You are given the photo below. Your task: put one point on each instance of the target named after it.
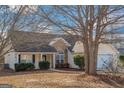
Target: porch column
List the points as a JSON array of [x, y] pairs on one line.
[[50, 60], [54, 62], [37, 59]]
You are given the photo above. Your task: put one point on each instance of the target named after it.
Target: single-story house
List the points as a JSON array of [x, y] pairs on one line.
[[34, 47]]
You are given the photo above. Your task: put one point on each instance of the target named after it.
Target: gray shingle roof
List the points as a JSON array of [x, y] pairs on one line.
[[37, 42]]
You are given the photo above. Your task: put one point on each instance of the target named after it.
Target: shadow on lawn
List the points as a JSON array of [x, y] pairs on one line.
[[13, 73], [115, 81], [101, 80]]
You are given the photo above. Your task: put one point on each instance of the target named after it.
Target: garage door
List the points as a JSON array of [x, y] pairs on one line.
[[103, 60]]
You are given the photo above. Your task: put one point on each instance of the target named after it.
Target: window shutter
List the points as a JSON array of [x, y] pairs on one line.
[[33, 58], [19, 58]]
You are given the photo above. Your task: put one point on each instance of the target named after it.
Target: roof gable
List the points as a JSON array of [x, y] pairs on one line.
[[103, 48], [59, 40]]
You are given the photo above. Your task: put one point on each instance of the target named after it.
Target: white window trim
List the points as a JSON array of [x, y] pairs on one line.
[[60, 56], [26, 57]]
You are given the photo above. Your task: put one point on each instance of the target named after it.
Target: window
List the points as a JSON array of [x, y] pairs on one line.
[[26, 58], [60, 57], [44, 57]]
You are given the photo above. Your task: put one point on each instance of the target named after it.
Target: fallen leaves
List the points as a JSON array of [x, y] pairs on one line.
[[56, 79]]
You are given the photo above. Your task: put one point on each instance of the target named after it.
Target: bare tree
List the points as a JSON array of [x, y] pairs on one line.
[[88, 22], [18, 18], [8, 19], [30, 21]]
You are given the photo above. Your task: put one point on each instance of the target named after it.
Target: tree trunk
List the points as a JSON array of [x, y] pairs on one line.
[[65, 56], [86, 59], [92, 64], [90, 54]]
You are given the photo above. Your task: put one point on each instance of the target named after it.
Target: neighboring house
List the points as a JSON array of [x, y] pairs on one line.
[[116, 39], [34, 47], [106, 54], [121, 51]]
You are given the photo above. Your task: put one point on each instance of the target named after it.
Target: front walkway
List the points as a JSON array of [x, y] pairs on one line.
[[67, 70]]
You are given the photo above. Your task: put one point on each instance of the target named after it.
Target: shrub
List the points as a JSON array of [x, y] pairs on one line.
[[24, 66], [121, 57], [62, 65], [44, 65], [58, 65], [121, 63], [79, 61], [65, 65]]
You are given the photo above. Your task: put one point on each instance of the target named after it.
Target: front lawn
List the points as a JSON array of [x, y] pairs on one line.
[[56, 79]]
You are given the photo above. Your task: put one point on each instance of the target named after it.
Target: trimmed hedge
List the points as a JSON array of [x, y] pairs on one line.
[[24, 66], [79, 61], [121, 57], [121, 63], [62, 65], [44, 65], [65, 65]]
